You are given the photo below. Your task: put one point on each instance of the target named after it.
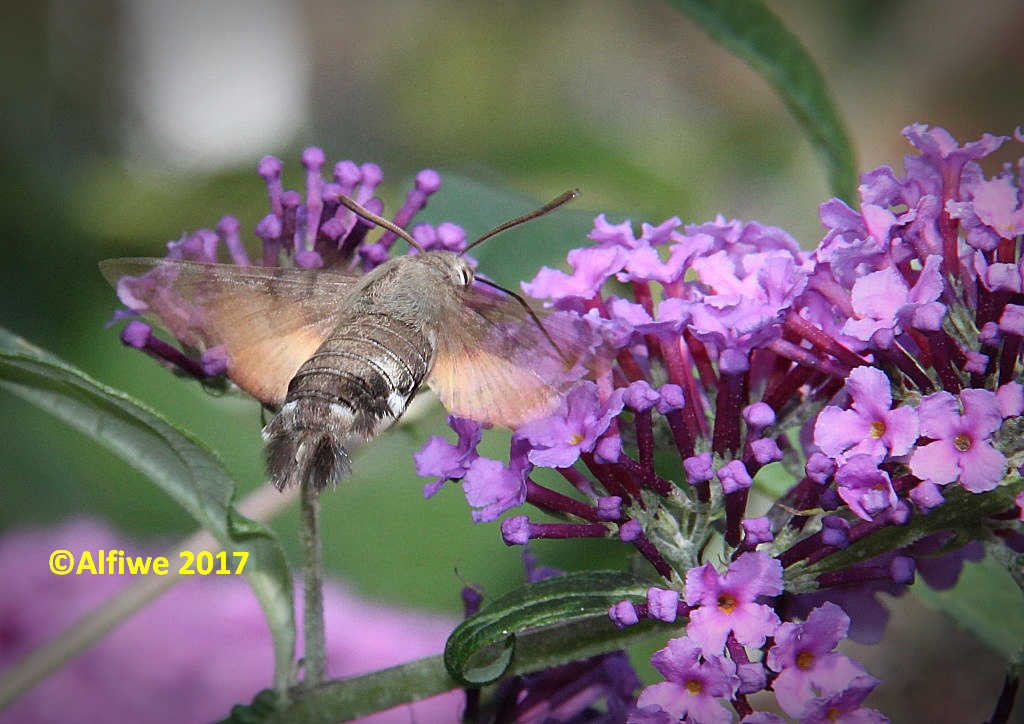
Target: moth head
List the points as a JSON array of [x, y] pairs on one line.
[[446, 267], [460, 271]]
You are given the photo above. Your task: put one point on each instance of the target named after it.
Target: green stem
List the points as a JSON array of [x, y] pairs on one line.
[[315, 658]]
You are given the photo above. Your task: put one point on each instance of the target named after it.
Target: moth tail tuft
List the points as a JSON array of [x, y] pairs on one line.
[[297, 456]]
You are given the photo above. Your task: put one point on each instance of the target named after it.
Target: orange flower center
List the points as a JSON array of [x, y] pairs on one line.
[[804, 660], [962, 442], [877, 429], [694, 687], [726, 602]]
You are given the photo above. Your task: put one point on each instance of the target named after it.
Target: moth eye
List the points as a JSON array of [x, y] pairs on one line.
[[463, 276]]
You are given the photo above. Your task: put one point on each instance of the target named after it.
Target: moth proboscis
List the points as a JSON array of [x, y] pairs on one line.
[[338, 355]]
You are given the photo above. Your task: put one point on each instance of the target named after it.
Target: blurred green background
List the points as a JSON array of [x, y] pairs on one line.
[[124, 124]]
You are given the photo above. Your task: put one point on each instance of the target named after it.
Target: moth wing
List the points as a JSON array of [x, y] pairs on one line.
[[496, 364], [268, 320]]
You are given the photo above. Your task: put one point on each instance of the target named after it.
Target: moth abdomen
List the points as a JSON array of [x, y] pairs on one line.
[[357, 383], [349, 388], [305, 454]]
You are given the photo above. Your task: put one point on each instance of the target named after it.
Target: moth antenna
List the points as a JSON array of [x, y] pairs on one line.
[[559, 200], [529, 310], [380, 221]]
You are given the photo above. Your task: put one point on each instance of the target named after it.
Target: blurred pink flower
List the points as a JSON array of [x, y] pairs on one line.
[[191, 654]]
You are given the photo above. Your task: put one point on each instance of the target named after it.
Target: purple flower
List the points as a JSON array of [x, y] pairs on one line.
[[640, 396], [864, 487], [607, 234], [884, 304], [941, 155], [961, 446], [844, 707], [663, 604], [886, 267], [211, 363], [940, 567], [757, 531], [927, 495], [645, 264], [569, 693], [574, 428], [870, 426], [698, 468], [835, 531], [1011, 399], [805, 659], [723, 339], [992, 212], [1011, 321], [309, 229], [734, 477], [727, 603], [745, 300], [868, 615], [759, 415], [449, 462], [765, 450], [854, 243], [591, 268], [623, 614], [694, 683], [491, 487]]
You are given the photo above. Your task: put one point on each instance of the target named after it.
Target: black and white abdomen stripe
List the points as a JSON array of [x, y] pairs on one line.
[[357, 383], [369, 368]]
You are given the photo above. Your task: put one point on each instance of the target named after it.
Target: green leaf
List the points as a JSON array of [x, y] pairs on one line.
[[179, 464], [963, 512], [986, 602], [542, 624], [751, 31]]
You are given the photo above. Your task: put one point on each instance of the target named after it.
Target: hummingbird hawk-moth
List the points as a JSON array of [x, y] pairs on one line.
[[338, 356]]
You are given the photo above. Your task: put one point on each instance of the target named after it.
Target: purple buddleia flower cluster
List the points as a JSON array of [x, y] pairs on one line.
[[881, 370], [305, 229]]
